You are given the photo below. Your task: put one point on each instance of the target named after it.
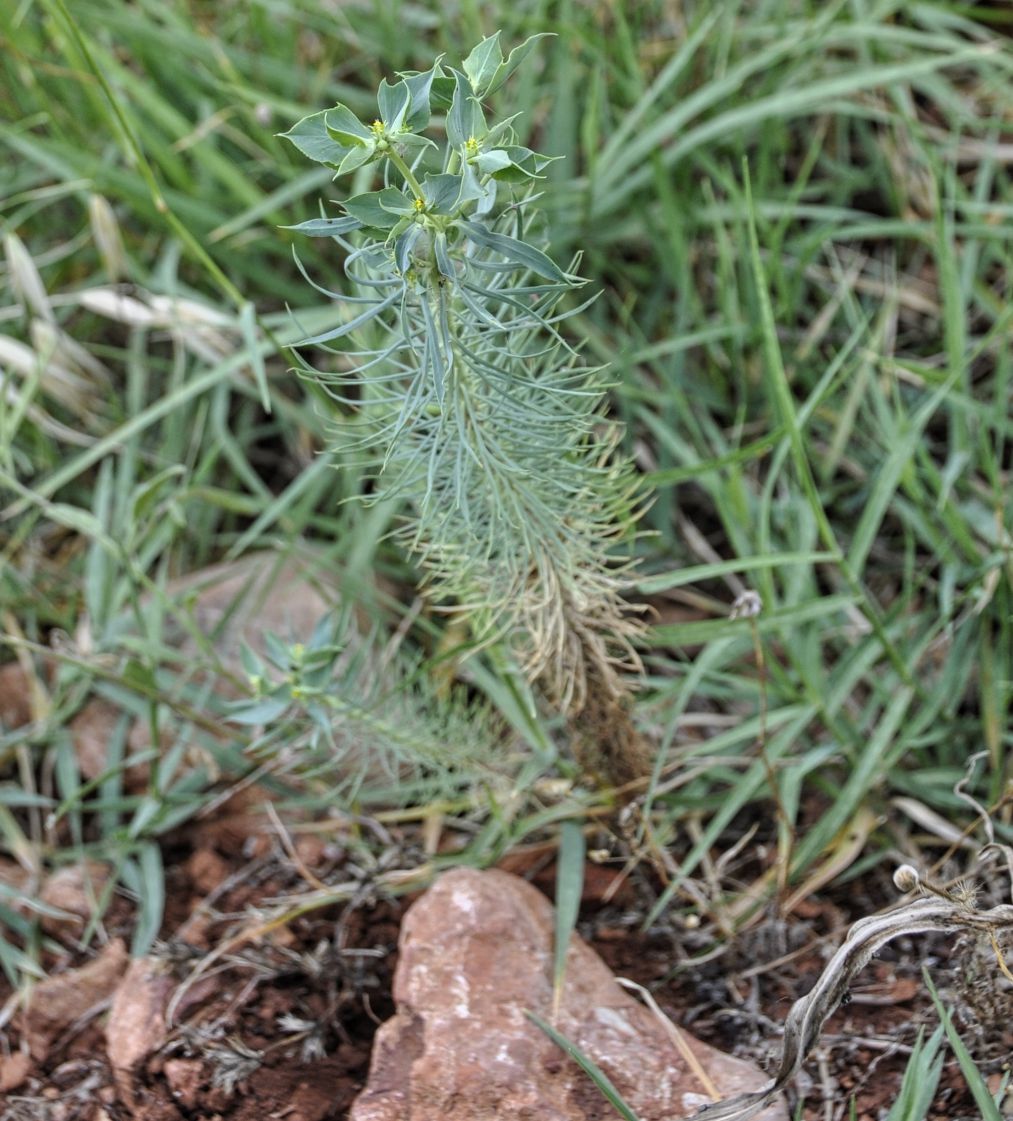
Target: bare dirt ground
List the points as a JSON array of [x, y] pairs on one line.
[[280, 1024]]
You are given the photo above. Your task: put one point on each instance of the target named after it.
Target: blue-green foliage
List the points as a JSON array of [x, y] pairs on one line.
[[480, 413], [355, 721]]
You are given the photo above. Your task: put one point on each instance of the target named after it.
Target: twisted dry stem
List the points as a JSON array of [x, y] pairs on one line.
[[950, 913]]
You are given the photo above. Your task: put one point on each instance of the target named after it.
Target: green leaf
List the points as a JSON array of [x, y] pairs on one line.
[[465, 121], [651, 585], [442, 256], [588, 1066], [252, 665], [311, 137], [409, 142], [81, 521], [442, 192], [921, 1077], [518, 252], [356, 158], [514, 59], [397, 202], [326, 227], [474, 191], [248, 326], [393, 102], [11, 795], [491, 162], [403, 247], [147, 496], [419, 89], [434, 353], [484, 63], [146, 879], [569, 888], [262, 712], [402, 225], [345, 127], [441, 93], [972, 1075], [371, 312], [502, 129], [524, 164], [369, 210], [137, 675]]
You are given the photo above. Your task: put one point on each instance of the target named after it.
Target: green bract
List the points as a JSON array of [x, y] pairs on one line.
[[479, 411]]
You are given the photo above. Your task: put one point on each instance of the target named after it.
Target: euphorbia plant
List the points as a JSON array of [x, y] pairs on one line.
[[480, 413]]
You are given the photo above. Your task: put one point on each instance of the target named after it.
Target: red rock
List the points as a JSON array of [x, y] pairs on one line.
[[185, 1078], [475, 955], [14, 1069], [91, 729], [136, 1024], [262, 593], [61, 1000], [73, 891]]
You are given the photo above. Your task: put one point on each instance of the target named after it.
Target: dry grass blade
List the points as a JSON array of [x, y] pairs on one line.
[[676, 1036], [944, 911]]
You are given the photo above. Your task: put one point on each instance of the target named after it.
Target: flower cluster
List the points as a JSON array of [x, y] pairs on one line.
[[425, 216]]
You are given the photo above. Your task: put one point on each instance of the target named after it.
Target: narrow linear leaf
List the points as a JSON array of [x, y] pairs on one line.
[[326, 227], [248, 326], [569, 888], [146, 879], [517, 252], [345, 328], [974, 1078], [699, 572], [588, 1066]]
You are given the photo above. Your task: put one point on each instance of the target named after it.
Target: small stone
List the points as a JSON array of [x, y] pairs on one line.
[[14, 1070], [136, 1027], [475, 956], [136, 1024], [242, 601], [92, 730], [61, 1000], [185, 1078], [206, 870], [13, 876], [73, 892]]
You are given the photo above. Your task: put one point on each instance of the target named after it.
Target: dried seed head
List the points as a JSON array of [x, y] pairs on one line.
[[113, 304], [965, 893], [747, 605], [906, 878], [25, 278], [106, 232]]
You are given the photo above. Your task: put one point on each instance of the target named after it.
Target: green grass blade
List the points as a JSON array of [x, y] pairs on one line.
[[590, 1068], [569, 887], [972, 1075]]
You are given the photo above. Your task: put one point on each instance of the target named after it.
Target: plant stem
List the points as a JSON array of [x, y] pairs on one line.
[[409, 176]]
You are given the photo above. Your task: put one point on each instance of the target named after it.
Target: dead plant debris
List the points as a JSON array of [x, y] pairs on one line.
[[281, 1024]]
